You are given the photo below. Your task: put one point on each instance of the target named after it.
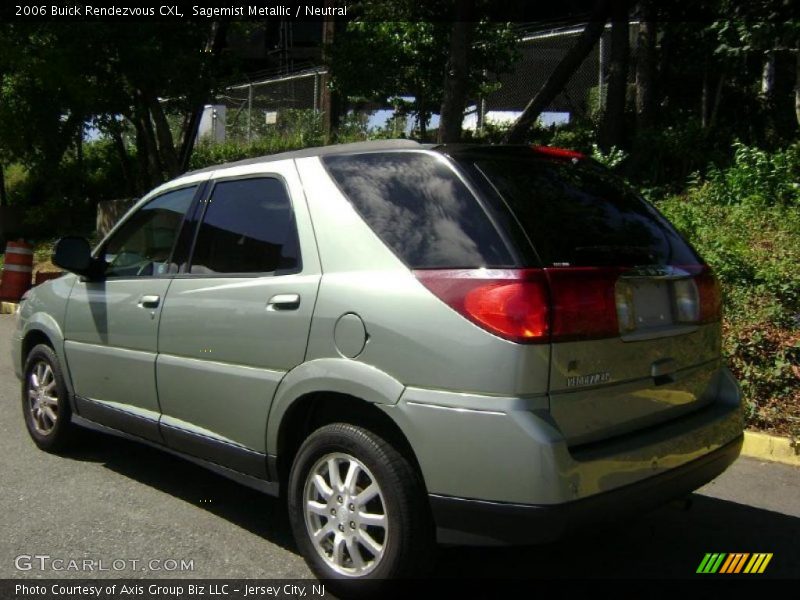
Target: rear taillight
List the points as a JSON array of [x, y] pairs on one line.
[[710, 296], [697, 298], [563, 304], [531, 305], [511, 303], [584, 304]]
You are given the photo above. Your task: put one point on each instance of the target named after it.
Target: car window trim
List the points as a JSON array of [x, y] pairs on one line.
[[185, 271]]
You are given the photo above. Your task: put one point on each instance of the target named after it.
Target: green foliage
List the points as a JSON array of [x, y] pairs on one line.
[[611, 159], [668, 154], [401, 49], [744, 221], [757, 177], [295, 129]]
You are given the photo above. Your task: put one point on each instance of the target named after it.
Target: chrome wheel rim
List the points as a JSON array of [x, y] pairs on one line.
[[345, 514], [42, 398]]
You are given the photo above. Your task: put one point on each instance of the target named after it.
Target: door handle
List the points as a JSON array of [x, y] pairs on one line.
[[284, 302], [149, 301]]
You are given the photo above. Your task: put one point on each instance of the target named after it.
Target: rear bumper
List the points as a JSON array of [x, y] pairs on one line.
[[500, 469], [465, 521]]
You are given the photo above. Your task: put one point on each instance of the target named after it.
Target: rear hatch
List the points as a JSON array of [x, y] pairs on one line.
[[634, 313]]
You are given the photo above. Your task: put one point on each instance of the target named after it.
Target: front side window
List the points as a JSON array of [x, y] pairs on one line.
[[248, 227], [143, 245]]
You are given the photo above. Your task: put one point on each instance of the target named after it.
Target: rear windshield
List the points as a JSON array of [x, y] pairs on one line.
[[577, 213], [419, 207]]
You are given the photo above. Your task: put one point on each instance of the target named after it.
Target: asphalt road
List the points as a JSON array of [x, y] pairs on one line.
[[115, 499]]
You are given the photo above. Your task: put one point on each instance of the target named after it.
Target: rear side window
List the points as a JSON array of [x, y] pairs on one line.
[[420, 209], [248, 227], [577, 213]]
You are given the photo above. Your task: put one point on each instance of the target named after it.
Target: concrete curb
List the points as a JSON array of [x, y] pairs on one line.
[[8, 308], [771, 447]]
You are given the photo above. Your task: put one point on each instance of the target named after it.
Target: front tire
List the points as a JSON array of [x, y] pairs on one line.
[[45, 401], [358, 510]]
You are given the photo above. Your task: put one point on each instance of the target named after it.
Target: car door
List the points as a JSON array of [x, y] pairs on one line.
[[111, 325], [238, 317]]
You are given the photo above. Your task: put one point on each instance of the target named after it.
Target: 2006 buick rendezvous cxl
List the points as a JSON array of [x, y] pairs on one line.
[[475, 344]]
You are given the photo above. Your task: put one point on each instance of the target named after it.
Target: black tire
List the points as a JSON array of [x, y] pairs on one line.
[[61, 434], [409, 541]]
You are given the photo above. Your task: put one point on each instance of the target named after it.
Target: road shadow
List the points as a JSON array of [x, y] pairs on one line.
[[251, 510], [667, 543]]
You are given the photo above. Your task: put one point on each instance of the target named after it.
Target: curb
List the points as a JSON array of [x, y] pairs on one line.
[[771, 447], [8, 308]]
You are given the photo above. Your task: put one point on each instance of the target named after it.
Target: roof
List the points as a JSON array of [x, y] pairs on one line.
[[321, 151]]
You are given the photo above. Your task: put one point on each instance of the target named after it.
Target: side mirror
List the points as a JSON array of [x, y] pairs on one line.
[[74, 254]]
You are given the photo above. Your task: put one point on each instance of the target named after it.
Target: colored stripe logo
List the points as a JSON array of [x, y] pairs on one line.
[[737, 562]]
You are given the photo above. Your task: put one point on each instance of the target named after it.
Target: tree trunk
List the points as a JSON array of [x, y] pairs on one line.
[[328, 104], [645, 67], [422, 121], [166, 146], [214, 46], [124, 160], [768, 76], [560, 76], [3, 195], [146, 150], [705, 95], [797, 85], [612, 123], [712, 118], [456, 75], [145, 183]]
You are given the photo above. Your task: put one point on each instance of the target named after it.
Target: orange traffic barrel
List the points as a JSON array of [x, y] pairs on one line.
[[17, 271]]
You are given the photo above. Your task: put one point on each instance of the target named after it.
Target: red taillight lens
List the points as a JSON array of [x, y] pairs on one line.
[[511, 303], [515, 310], [710, 296], [583, 302]]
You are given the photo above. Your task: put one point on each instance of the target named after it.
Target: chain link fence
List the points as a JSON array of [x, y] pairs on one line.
[[247, 112]]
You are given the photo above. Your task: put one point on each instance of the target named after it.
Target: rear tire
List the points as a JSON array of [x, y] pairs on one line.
[[45, 401], [358, 510]]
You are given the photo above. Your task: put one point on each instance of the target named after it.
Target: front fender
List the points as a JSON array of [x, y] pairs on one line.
[[44, 311], [337, 375], [44, 323]]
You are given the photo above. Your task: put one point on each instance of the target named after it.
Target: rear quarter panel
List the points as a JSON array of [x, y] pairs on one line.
[[412, 335]]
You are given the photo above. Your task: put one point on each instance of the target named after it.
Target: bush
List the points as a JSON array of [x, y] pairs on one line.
[[757, 177], [744, 221]]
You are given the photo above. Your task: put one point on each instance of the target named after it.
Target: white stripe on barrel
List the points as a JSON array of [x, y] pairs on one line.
[[17, 250], [18, 268]]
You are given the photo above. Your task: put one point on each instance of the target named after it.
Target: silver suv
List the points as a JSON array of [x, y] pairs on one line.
[[472, 344]]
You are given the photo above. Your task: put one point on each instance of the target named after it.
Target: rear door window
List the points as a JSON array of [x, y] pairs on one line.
[[420, 208], [248, 228]]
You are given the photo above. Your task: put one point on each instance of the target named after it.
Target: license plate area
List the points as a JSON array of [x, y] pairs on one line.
[[649, 307], [652, 304]]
